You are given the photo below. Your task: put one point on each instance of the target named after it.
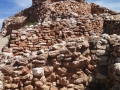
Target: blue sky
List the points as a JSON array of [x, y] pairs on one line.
[[10, 7]]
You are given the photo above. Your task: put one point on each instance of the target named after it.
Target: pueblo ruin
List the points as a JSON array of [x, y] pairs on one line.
[[61, 45]]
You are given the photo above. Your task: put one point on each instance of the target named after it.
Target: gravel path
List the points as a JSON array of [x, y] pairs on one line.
[[3, 42]]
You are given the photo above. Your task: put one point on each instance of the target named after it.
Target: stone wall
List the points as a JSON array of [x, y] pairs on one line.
[[112, 27], [74, 64], [64, 9], [97, 9], [34, 2], [61, 47], [35, 37]]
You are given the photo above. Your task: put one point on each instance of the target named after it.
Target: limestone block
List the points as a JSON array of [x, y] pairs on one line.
[[53, 53], [7, 86], [92, 78], [106, 36], [29, 87], [7, 69], [38, 83], [102, 52], [37, 46], [52, 77], [85, 44], [1, 85], [13, 45], [38, 71], [41, 62], [101, 47], [56, 47], [103, 41], [41, 51], [48, 70], [43, 79], [63, 81], [16, 79], [53, 88], [23, 37], [44, 87], [117, 67], [64, 88], [79, 81], [64, 50], [70, 85], [69, 44], [56, 64], [75, 64], [42, 56], [61, 71], [60, 57], [15, 31], [79, 87]]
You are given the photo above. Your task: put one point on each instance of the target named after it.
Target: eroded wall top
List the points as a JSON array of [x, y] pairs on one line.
[[50, 1]]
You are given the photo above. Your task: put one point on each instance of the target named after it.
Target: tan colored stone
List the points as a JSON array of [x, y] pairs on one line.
[[45, 87], [23, 37], [7, 86], [29, 87], [14, 86], [38, 83], [53, 88]]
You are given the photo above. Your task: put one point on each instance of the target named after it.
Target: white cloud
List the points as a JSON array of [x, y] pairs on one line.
[[23, 3], [18, 5]]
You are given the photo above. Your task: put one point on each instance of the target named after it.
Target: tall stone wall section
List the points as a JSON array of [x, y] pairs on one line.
[[37, 13]]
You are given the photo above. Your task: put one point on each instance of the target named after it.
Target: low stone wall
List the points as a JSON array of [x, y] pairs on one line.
[[74, 64]]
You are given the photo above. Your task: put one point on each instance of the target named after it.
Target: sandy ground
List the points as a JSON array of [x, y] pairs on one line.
[[3, 42]]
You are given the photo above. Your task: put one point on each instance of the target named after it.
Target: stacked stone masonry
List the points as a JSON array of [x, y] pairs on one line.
[[74, 64], [112, 27], [54, 11], [61, 46]]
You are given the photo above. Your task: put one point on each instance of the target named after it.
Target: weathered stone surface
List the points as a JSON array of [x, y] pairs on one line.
[[29, 87], [61, 47]]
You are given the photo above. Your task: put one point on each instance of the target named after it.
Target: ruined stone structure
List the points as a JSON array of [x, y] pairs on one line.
[[34, 2], [50, 1], [66, 45]]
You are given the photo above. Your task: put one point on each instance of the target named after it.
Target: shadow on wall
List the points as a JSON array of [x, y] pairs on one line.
[[111, 27]]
